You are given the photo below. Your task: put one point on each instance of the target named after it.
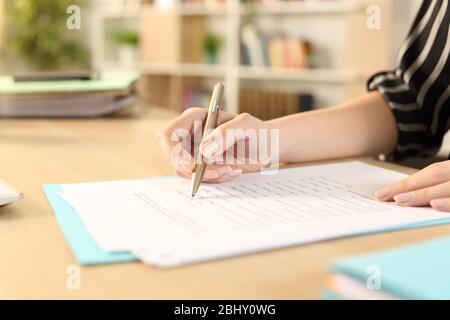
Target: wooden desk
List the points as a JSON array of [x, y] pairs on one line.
[[35, 256]]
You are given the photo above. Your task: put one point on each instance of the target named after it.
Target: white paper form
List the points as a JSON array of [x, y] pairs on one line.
[[157, 219]]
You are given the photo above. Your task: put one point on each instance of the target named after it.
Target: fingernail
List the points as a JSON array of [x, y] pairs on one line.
[[235, 172], [383, 193], [404, 197], [221, 171], [439, 203], [210, 148], [211, 174]]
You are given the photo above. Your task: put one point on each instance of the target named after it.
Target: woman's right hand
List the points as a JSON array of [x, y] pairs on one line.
[[230, 149]]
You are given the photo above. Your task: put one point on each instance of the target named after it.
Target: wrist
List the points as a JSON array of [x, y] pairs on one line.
[[286, 142]]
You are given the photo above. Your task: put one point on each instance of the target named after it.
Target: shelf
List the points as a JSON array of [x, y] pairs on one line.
[[306, 7], [305, 75], [116, 12], [199, 9], [184, 9], [253, 73], [331, 85], [184, 69], [244, 72], [278, 7]]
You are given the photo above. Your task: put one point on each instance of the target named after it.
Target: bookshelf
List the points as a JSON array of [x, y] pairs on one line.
[[352, 52]]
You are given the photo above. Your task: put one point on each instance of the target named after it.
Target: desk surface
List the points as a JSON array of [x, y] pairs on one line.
[[35, 256]]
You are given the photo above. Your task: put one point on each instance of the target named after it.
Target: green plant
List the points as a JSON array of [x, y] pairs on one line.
[[126, 37], [211, 44], [36, 31]]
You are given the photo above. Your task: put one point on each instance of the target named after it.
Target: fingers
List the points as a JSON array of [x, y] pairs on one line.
[[213, 173], [182, 174], [432, 175], [428, 187], [218, 141], [176, 137], [442, 204], [422, 197], [185, 166], [225, 173]]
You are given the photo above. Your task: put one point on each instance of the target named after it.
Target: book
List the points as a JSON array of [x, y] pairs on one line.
[[417, 271], [270, 104], [274, 51], [253, 45]]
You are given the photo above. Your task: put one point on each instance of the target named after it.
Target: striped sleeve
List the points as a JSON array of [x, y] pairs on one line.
[[418, 90], [413, 137]]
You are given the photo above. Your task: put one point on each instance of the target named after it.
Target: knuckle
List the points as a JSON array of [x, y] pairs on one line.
[[245, 116], [193, 110], [165, 133], [404, 185], [176, 134], [440, 170]]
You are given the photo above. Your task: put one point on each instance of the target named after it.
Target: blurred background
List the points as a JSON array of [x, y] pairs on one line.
[[275, 56]]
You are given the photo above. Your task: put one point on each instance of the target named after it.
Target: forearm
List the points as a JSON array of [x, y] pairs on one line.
[[362, 126]]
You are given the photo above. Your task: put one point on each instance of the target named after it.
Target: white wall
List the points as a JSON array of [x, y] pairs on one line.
[[405, 12]]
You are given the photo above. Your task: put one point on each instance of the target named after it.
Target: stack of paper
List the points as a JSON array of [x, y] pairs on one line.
[[157, 220], [420, 271], [8, 194], [110, 93]]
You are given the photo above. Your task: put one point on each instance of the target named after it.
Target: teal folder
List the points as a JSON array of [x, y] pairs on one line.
[[107, 82], [330, 295], [83, 246], [420, 271]]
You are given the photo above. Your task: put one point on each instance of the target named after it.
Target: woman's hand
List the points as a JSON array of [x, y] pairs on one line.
[[428, 187], [228, 150]]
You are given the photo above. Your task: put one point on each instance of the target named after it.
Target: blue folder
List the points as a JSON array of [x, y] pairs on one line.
[[83, 246], [420, 271]]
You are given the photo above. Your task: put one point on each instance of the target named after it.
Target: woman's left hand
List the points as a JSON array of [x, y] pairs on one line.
[[427, 187]]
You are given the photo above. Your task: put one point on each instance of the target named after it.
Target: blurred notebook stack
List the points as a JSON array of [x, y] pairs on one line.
[[419, 271], [272, 104], [104, 94]]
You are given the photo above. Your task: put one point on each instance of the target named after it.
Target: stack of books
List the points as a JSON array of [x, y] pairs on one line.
[[420, 271], [274, 51], [57, 95], [272, 104]]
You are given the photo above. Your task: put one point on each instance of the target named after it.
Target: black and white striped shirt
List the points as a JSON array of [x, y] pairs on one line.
[[418, 90]]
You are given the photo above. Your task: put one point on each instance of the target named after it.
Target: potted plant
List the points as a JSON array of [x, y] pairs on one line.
[[211, 46], [36, 37], [127, 51]]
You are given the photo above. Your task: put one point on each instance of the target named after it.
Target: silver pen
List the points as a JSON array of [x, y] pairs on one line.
[[210, 124]]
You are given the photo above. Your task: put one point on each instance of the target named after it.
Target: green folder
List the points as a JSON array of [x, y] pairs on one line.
[[106, 82], [420, 271]]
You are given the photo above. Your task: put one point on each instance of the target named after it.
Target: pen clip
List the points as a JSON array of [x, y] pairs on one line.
[[217, 97]]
